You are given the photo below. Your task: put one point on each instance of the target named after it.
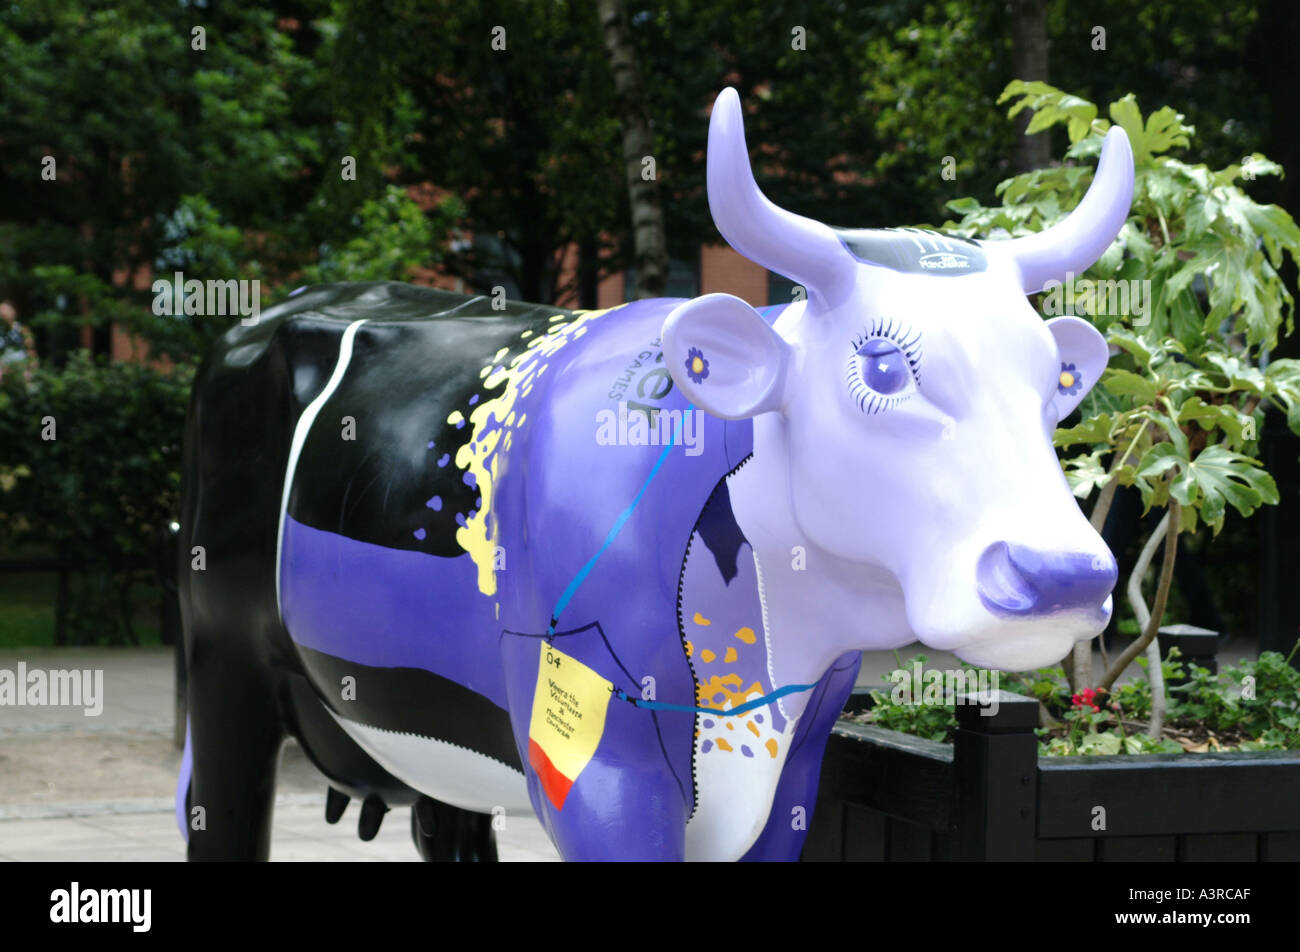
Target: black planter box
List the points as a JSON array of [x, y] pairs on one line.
[[987, 796]]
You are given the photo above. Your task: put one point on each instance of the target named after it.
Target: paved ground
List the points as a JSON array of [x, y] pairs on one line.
[[95, 788], [85, 789]]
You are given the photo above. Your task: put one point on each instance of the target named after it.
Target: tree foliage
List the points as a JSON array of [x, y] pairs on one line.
[[1178, 412]]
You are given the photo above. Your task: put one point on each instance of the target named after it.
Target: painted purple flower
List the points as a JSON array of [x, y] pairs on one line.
[[1070, 381], [697, 368]]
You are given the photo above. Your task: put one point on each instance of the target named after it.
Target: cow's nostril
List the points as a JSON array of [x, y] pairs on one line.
[[1016, 579], [1003, 587]]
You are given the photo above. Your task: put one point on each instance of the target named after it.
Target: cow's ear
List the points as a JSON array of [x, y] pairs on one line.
[[1083, 355], [725, 357]]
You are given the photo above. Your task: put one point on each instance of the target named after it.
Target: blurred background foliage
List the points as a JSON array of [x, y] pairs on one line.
[[220, 153]]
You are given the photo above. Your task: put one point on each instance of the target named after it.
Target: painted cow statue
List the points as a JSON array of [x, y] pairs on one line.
[[615, 568]]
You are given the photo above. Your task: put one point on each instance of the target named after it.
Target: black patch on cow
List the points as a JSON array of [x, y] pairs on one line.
[[417, 359], [720, 533], [416, 701], [914, 250]]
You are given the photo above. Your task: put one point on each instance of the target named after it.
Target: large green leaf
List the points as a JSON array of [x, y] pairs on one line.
[[1093, 430], [1125, 382], [1210, 416], [1240, 375], [1085, 473], [1224, 477], [1126, 115], [1165, 130]]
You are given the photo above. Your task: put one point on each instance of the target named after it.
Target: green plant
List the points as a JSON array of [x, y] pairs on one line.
[[935, 722], [1190, 296], [1251, 706], [1257, 699]]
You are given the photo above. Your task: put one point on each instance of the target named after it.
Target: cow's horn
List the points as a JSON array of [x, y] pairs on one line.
[[803, 250], [1076, 243]]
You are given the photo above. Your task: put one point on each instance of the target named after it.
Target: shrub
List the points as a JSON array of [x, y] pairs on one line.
[[90, 459]]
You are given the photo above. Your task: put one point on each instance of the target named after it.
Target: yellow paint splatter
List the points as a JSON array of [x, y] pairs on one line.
[[731, 654], [481, 455], [729, 687], [690, 649], [771, 746], [753, 728], [722, 744], [706, 656], [730, 726], [701, 620], [747, 635]]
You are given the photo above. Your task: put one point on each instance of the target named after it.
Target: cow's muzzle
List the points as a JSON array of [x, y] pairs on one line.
[[1018, 580]]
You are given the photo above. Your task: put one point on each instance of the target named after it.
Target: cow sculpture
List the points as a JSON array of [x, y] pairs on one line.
[[616, 567]]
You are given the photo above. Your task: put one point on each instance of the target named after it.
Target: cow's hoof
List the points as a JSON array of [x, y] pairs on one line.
[[336, 801], [372, 815]]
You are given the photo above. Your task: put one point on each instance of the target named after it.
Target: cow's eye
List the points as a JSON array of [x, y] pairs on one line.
[[884, 366]]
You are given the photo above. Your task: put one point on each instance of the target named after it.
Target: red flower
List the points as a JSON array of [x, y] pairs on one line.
[[1085, 698]]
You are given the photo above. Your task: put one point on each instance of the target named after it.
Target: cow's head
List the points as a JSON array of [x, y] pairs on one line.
[[903, 413]]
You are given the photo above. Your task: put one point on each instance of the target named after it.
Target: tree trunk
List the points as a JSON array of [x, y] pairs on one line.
[[1174, 515], [650, 244], [1029, 49]]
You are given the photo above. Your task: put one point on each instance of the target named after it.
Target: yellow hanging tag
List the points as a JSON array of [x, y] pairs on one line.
[[568, 720]]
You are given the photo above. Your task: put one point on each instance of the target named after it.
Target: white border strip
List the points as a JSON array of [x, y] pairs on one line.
[[300, 437]]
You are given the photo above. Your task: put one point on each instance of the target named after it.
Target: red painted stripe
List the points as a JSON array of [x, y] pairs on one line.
[[555, 784]]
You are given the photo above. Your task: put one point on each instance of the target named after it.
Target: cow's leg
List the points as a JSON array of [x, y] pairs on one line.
[[796, 794], [236, 733], [448, 834]]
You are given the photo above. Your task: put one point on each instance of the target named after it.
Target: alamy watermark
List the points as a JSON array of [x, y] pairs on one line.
[[195, 298], [1111, 297], [651, 427], [939, 687], [54, 688], [133, 907]]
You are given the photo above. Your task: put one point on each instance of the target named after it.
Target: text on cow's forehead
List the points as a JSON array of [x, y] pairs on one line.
[[913, 250]]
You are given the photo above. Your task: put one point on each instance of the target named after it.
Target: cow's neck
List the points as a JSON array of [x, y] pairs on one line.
[[816, 606]]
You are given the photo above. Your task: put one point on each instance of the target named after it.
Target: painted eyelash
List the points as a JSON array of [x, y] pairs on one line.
[[905, 340]]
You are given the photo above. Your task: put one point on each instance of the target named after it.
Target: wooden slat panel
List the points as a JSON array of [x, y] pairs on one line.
[[864, 835], [1169, 794], [1138, 849], [1064, 851], [908, 842], [1280, 847], [903, 776], [1219, 847]]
